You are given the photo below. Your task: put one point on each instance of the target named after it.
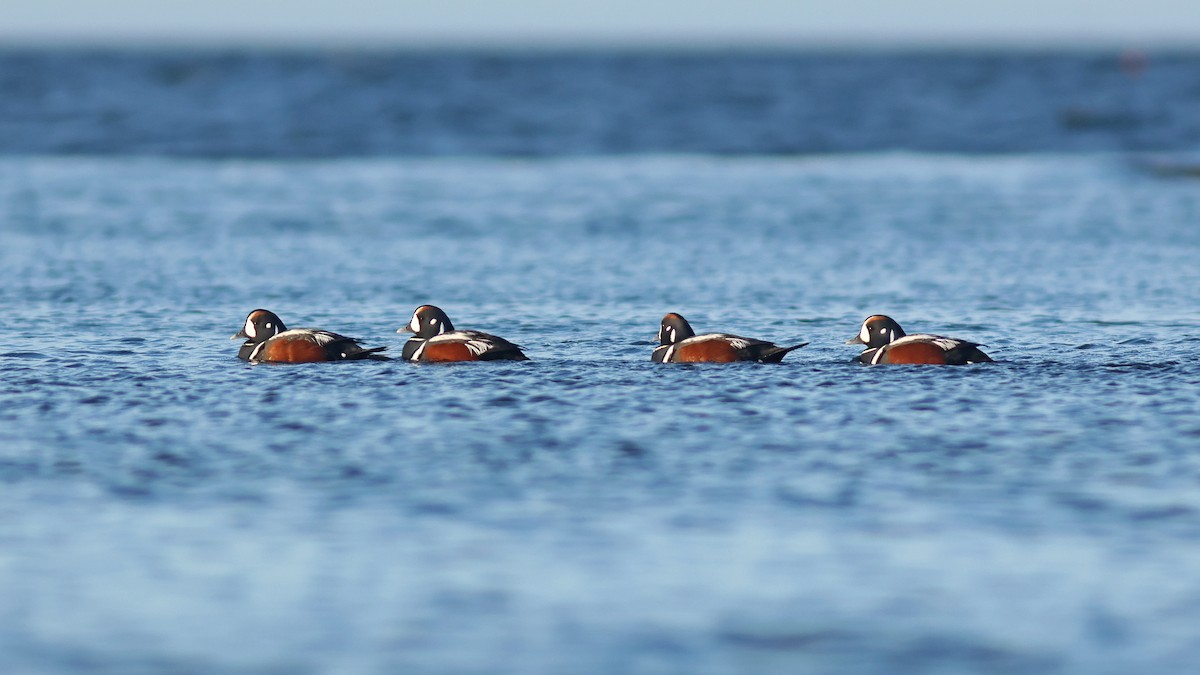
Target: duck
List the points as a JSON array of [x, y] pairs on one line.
[[267, 340], [886, 342], [678, 343], [435, 340]]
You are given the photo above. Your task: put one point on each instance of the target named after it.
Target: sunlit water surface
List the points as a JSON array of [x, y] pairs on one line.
[[166, 507]]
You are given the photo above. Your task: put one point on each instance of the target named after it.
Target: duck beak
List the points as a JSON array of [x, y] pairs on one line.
[[405, 329], [240, 335], [856, 340]]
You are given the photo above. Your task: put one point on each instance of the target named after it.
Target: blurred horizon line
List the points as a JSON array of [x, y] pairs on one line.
[[538, 42]]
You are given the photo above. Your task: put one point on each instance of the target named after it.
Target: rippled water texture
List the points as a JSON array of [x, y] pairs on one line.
[[165, 507], [539, 104]]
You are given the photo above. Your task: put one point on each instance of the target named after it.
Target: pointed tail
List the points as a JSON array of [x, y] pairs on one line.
[[371, 354], [776, 354]]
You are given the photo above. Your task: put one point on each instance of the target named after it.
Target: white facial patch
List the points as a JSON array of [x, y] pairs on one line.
[[249, 329], [415, 324], [864, 334], [671, 335]]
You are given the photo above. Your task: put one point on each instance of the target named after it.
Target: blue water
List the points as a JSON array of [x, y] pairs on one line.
[[169, 507], [165, 507], [256, 104]]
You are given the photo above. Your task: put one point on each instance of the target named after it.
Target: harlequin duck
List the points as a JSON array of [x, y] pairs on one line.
[[887, 343], [680, 344], [437, 341], [269, 341]]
